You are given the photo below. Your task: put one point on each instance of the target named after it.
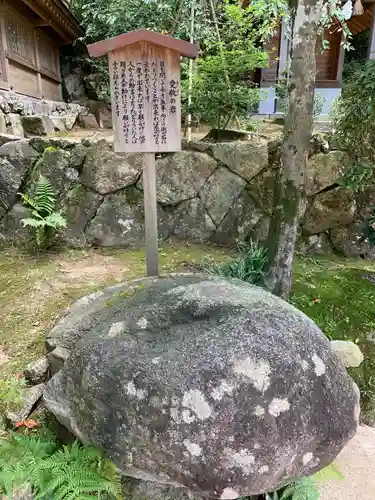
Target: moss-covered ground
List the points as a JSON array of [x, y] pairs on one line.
[[338, 294]]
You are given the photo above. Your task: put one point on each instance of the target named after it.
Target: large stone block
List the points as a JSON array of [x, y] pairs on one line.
[[119, 221], [54, 164], [11, 227], [10, 180], [80, 206], [329, 210], [246, 159], [190, 221], [105, 171], [181, 175], [324, 170], [240, 222], [20, 153], [220, 192], [203, 382], [351, 242]]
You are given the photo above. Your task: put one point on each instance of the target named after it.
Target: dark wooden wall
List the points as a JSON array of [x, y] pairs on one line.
[[29, 59]]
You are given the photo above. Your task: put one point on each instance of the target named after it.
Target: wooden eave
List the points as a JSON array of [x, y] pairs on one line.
[[102, 48], [56, 15]]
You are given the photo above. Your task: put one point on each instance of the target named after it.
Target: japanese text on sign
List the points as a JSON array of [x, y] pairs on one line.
[[138, 87]]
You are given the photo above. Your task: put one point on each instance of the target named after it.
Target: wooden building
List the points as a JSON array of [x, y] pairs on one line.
[[329, 62], [31, 33]]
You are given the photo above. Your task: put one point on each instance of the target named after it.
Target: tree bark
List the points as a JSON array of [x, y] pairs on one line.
[[291, 159]]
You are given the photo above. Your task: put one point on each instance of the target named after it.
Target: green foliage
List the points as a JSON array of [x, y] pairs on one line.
[[303, 489], [354, 114], [68, 473], [356, 58], [222, 86], [45, 219], [359, 176], [10, 394], [109, 18], [247, 266]]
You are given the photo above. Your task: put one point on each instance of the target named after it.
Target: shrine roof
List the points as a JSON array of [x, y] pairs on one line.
[[102, 48]]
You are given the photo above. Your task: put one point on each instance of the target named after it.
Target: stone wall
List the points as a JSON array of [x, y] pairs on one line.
[[217, 193], [24, 116]]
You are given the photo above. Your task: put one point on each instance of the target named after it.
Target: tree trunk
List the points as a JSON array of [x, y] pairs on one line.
[[290, 193]]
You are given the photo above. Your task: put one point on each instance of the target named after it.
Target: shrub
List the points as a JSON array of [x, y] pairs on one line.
[[247, 266], [45, 218], [70, 473], [354, 114]]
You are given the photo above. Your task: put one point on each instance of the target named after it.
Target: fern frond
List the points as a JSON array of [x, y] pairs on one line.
[[55, 220], [45, 198], [29, 222], [28, 201], [304, 489], [72, 472]]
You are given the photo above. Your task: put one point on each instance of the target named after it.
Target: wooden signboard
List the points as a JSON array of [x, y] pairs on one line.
[[144, 69], [145, 90]]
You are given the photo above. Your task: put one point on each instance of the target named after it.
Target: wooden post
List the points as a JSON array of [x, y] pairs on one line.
[[144, 73], [151, 221]]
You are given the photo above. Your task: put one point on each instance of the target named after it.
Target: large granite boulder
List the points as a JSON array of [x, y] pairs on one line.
[[203, 382], [20, 153], [12, 229]]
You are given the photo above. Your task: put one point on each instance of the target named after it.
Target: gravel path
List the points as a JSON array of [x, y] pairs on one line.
[[357, 464]]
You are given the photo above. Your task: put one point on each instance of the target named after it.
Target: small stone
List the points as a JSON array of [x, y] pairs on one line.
[[37, 372], [3, 127], [37, 125], [57, 358], [58, 123], [5, 138], [14, 125], [348, 352], [69, 120], [87, 120], [30, 397]]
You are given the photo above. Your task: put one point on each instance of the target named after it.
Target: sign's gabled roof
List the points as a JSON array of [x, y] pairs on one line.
[[102, 48]]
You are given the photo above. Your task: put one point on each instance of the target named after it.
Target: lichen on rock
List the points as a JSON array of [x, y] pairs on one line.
[[202, 382]]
